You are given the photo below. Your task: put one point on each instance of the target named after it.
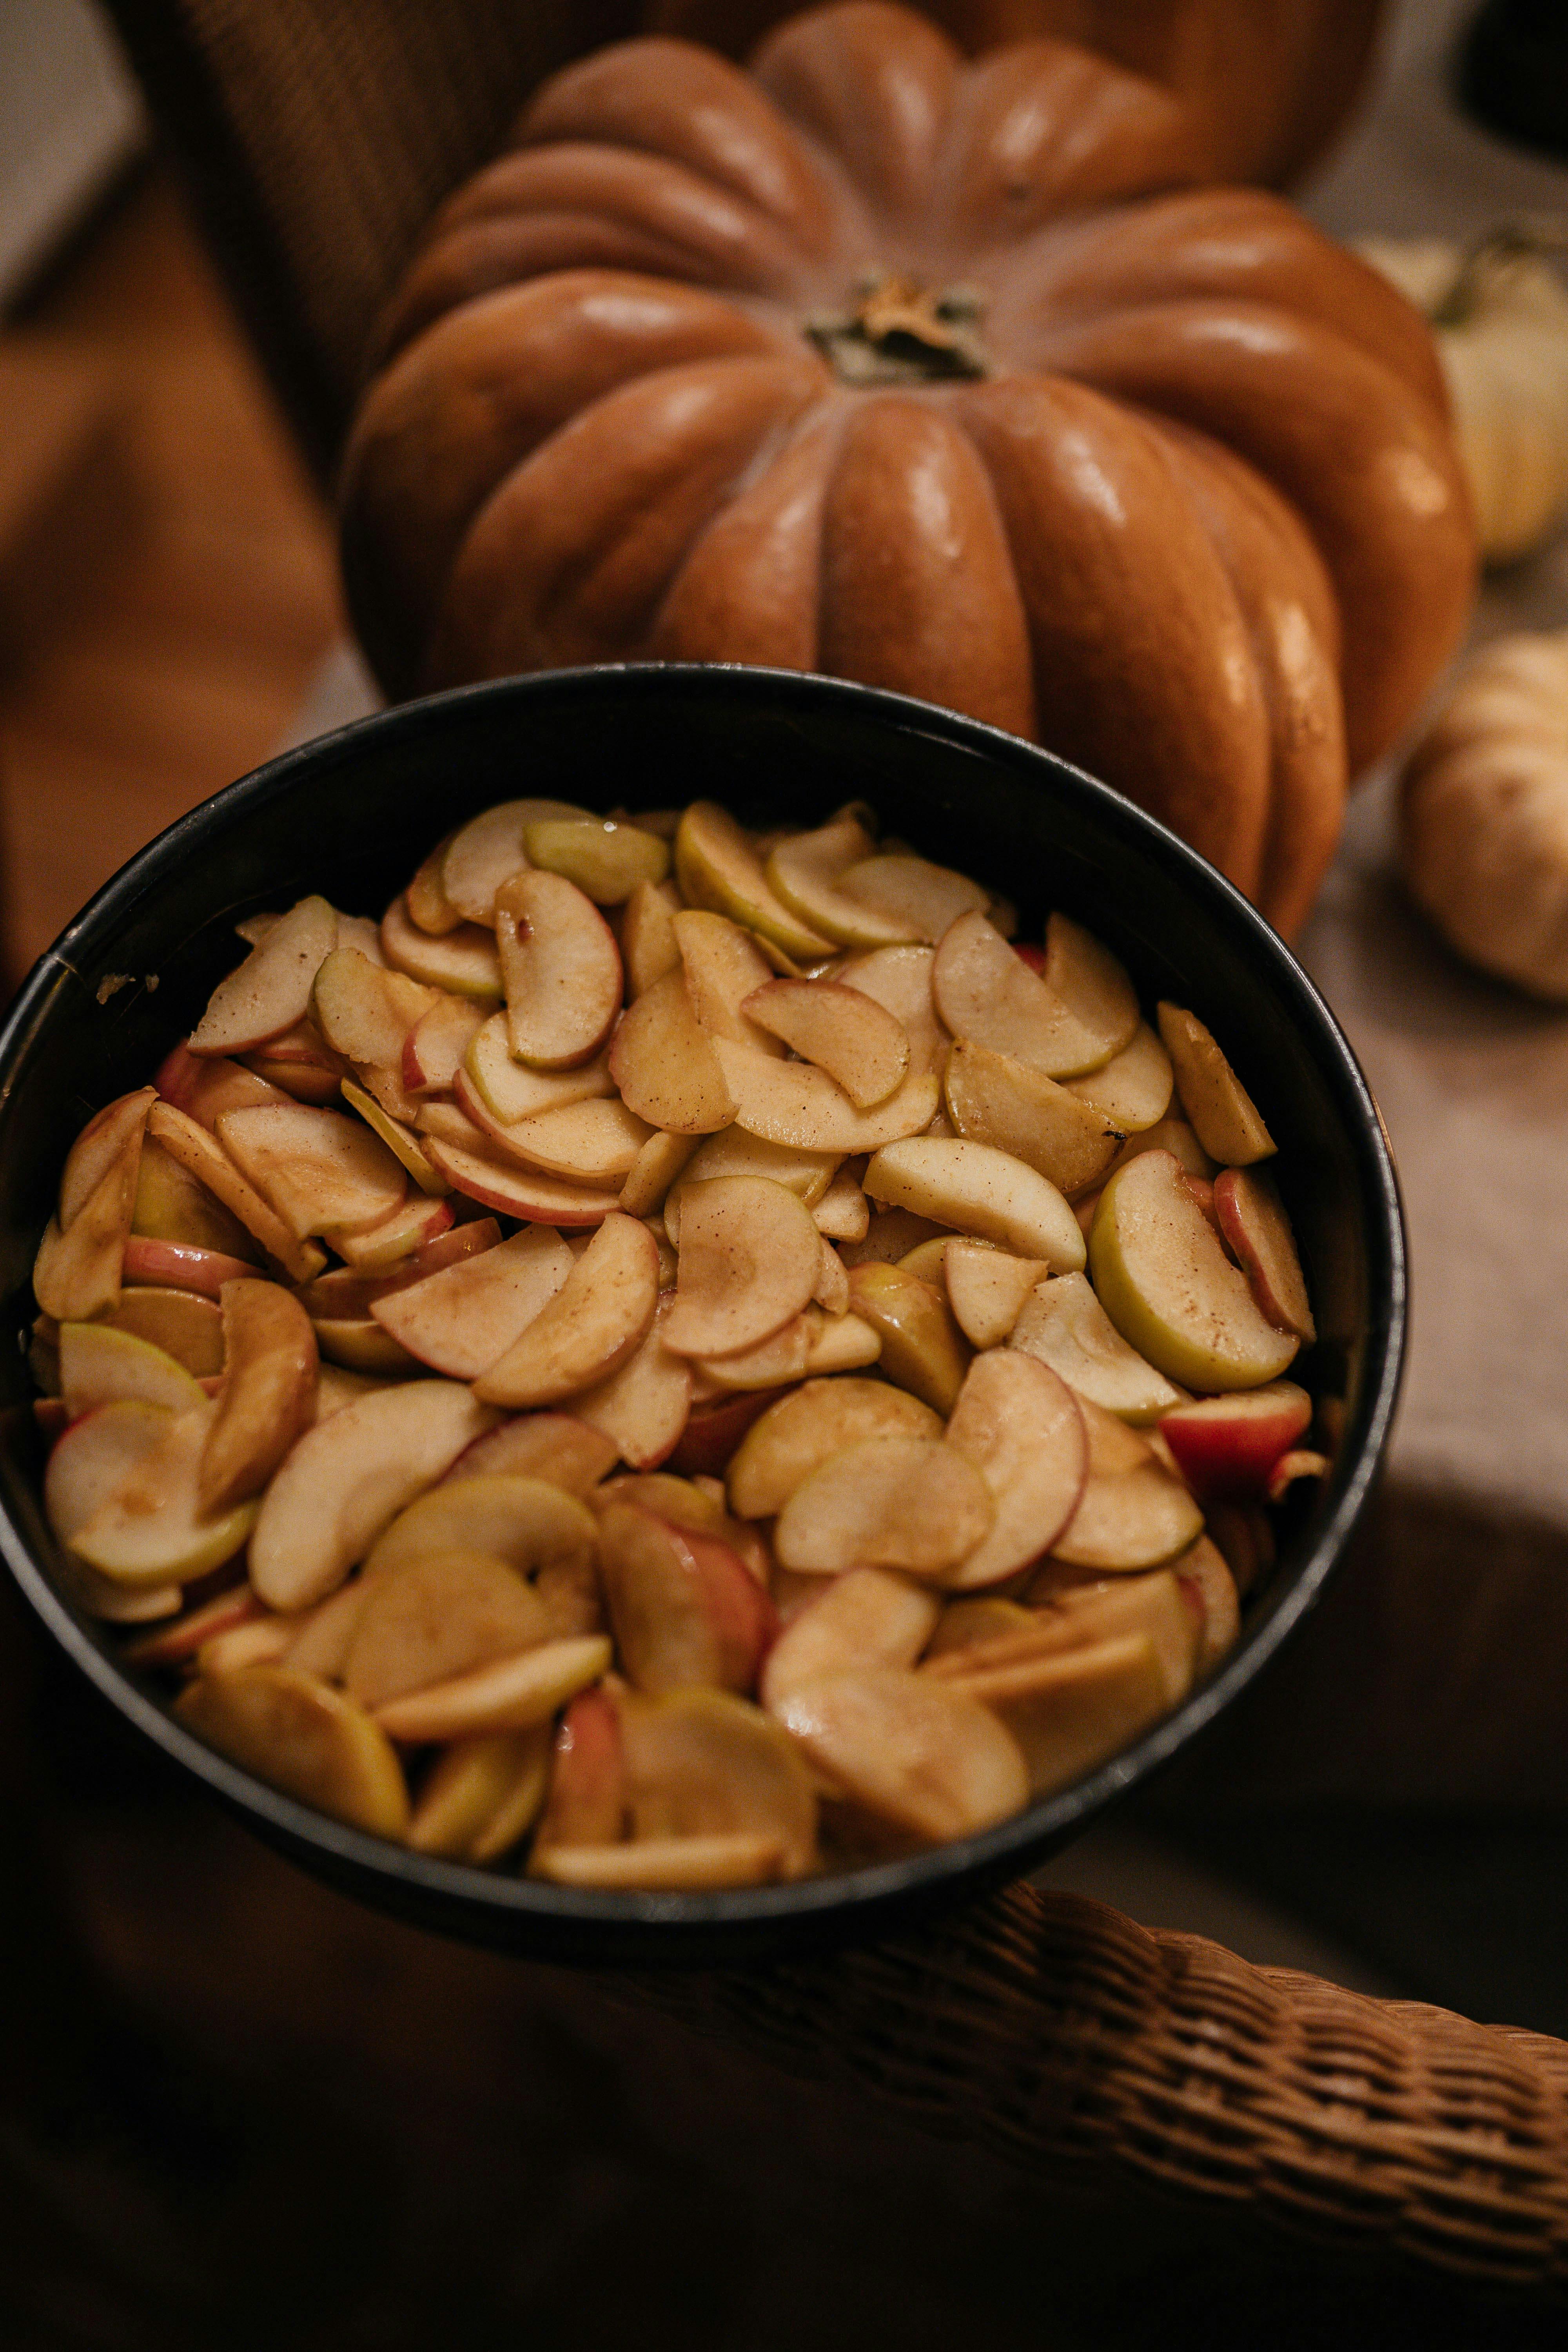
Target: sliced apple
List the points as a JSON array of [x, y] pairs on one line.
[[101, 1366], [716, 1427], [402, 1141], [982, 1192], [911, 1503], [989, 1288], [587, 1802], [682, 1502], [861, 1046], [152, 1531], [101, 1146], [1227, 1446], [832, 1292], [436, 1615], [481, 1795], [299, 1065], [172, 1206], [270, 991], [91, 1461], [800, 1106], [1207, 1581], [702, 1763], [648, 944], [783, 1358], [268, 1396], [723, 966], [365, 1010], [1175, 1136], [489, 849], [797, 1434], [1134, 1512], [917, 1756], [665, 1064], [1063, 1323], [683, 1865], [299, 1736], [198, 1271], [658, 1163], [509, 1695], [1021, 1427], [78, 1268], [321, 1171], [892, 1236], [806, 870], [718, 868], [428, 904], [993, 1099], [185, 1326], [922, 901], [205, 1159], [399, 1239], [1068, 1712], [683, 1608], [510, 1092], [642, 1408], [733, 1152], [462, 964], [1162, 1275], [177, 1645], [594, 1143], [899, 979], [203, 1088], [605, 860], [532, 1525], [589, 1328], [867, 1617], [555, 1446], [518, 1192], [464, 1318], [434, 1048], [1251, 1216], [923, 1349], [748, 1261], [1068, 1022], [1132, 1090], [1224, 1115], [348, 1476], [560, 969], [842, 1214]]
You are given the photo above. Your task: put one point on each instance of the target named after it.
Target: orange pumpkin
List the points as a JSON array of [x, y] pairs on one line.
[[933, 374]]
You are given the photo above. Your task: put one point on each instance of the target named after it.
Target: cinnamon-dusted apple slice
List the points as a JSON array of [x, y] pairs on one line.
[[860, 1044], [899, 979], [436, 1615], [365, 1010], [923, 1349], [100, 1365], [642, 1408], [1162, 1275], [509, 1695], [832, 1292], [482, 1795], [348, 1476], [919, 1757], [594, 1143], [205, 1158], [80, 1260], [269, 1395], [979, 1191], [842, 1214], [91, 1461], [665, 1064], [677, 1866], [683, 1608], [555, 1446], [531, 1524], [1021, 1427], [840, 1343], [1133, 1513], [988, 1289], [1082, 1616], [704, 1763], [1205, 1577], [402, 1141], [797, 1434], [1063, 1323], [411, 1230], [508, 1091], [749, 1263], [993, 1099], [922, 900], [585, 1804], [1223, 1114], [806, 869], [323, 1172], [1069, 1713], [867, 1617], [659, 1161], [1175, 1136], [605, 860], [463, 962], [303, 1737], [270, 991], [203, 1088], [185, 1326], [682, 1502], [434, 1048], [648, 944], [1227, 1446], [800, 1106], [587, 1330], [464, 1319], [561, 967], [518, 1192], [723, 966], [172, 1206], [101, 1148], [489, 849], [359, 1344], [1134, 1090], [152, 1531], [200, 1272], [733, 1153], [1252, 1218], [1071, 1019], [773, 1361], [299, 1065], [914, 1503], [428, 904], [717, 866]]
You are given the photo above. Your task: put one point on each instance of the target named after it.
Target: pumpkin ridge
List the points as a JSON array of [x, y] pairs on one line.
[[853, 79]]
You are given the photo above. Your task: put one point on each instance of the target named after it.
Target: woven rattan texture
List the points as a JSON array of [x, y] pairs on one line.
[[1077, 2043]]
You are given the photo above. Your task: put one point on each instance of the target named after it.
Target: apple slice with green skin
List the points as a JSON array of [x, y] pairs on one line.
[[979, 1191], [748, 1261], [643, 1409], [555, 1446], [203, 1088], [666, 1066], [794, 1435], [436, 1615], [323, 1172], [842, 1214], [270, 991], [683, 1865], [531, 1524], [987, 1289], [509, 1695], [1251, 1216], [702, 1763], [299, 1736], [519, 1192], [867, 1617], [605, 860], [723, 966], [858, 1042], [717, 866], [587, 1802], [919, 1757], [682, 1607], [1133, 1512], [1063, 1323], [1228, 1446], [1068, 1021], [152, 1530], [101, 1366], [1021, 1427], [1223, 1114], [1069, 1713], [185, 1327], [348, 1476], [510, 1092], [1161, 1272], [269, 1395], [462, 964], [200, 1272], [400, 1141], [1134, 1090], [899, 979], [659, 1161], [910, 1503], [490, 848], [923, 1349], [481, 1795], [648, 945], [464, 1318], [434, 1048], [992, 1099], [591, 1326], [560, 969], [172, 1206], [205, 1158], [800, 1106], [922, 900], [806, 871]]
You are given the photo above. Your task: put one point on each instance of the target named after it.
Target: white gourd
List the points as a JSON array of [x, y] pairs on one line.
[[1484, 814], [1500, 312]]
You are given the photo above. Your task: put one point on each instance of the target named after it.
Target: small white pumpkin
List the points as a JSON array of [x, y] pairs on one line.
[[1500, 312], [1483, 814]]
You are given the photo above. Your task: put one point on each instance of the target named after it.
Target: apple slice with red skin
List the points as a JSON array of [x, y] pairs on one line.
[[1227, 1446], [593, 1143], [1133, 1513], [203, 1088], [1300, 1461], [587, 1330], [434, 1048], [321, 1171], [270, 991], [715, 1431], [299, 1065], [867, 1617], [683, 1608], [750, 1257], [302, 1736], [665, 1062], [702, 1763], [203, 1156], [101, 1147], [806, 1426], [1251, 1215], [555, 1446], [269, 1395], [176, 1644], [464, 1318], [509, 1091], [561, 967], [642, 1408], [518, 1192], [414, 1228], [1021, 1427], [199, 1271], [586, 1804], [1209, 1586], [919, 1757]]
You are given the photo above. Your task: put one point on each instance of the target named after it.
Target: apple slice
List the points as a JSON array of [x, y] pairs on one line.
[[801, 1431], [1133, 1513], [364, 1011], [716, 867], [402, 1141], [464, 1318], [80, 1260], [984, 991], [348, 1476], [1205, 1579], [1222, 1112], [1175, 1136], [723, 967], [733, 1152], [860, 1045], [1063, 1323], [992, 1099], [197, 1270], [666, 1066], [988, 1288], [428, 904], [518, 1192], [867, 1617], [1162, 1275], [270, 991], [1132, 1090], [555, 1446], [683, 1865], [682, 1502], [983, 1191], [1227, 1446], [659, 1162], [921, 1757], [589, 1328], [91, 1461], [436, 1615], [205, 1158], [101, 1366], [101, 1148], [604, 860], [321, 1172], [681, 1605], [800, 1106], [748, 1261], [913, 1503], [716, 1427], [1021, 1427], [648, 944], [489, 849], [899, 979], [177, 1645], [1082, 1616], [643, 1409], [269, 1395], [482, 1795], [832, 1291], [587, 1802], [772, 1362], [411, 1230], [561, 967], [922, 901], [152, 1530], [842, 1214], [434, 1048], [510, 1092], [463, 963], [1251, 1216], [299, 1736], [531, 1524], [299, 1065], [593, 1143], [923, 1349], [203, 1088], [172, 1206], [509, 1695], [184, 1326], [702, 1763], [360, 1345], [1067, 1713], [806, 871]]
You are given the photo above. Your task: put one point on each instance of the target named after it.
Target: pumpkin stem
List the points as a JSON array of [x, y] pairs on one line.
[[1516, 240], [902, 333]]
